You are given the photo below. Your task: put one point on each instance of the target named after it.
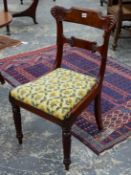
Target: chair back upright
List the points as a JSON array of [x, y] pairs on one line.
[[85, 17]]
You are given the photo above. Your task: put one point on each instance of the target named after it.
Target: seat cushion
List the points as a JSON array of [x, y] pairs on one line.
[[55, 93]]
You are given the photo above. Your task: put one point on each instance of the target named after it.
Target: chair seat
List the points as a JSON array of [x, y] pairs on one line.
[[55, 93]]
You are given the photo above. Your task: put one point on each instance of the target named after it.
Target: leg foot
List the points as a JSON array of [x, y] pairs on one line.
[[34, 20]]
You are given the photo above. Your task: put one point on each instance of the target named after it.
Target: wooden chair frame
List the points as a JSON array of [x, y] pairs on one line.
[[79, 16]]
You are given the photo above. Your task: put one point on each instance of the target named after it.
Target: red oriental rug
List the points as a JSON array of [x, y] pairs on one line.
[[116, 94]]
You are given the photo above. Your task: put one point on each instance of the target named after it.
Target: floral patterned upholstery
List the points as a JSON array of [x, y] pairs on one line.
[[55, 93]]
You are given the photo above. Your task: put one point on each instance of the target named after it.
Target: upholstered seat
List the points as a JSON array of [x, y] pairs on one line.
[[56, 93]]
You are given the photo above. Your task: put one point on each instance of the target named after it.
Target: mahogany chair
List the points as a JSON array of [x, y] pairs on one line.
[[61, 95], [5, 17], [122, 11]]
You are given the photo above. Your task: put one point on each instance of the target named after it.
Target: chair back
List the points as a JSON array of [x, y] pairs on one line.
[[86, 17]]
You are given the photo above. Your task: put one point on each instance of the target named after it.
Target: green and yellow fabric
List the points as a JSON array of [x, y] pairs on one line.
[[55, 93]]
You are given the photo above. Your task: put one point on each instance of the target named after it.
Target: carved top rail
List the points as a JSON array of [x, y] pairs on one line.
[[83, 16]]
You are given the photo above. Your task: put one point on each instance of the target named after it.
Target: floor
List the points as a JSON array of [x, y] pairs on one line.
[[41, 152]]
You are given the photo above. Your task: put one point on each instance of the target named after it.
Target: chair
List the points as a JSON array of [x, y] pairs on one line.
[[5, 17], [122, 11], [61, 95]]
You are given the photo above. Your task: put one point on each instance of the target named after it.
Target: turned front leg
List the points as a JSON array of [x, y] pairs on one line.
[[17, 122], [66, 136]]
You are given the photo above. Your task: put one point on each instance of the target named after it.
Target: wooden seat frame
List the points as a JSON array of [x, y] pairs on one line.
[[84, 17]]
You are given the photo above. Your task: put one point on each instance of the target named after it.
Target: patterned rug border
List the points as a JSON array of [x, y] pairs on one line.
[[100, 148]]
